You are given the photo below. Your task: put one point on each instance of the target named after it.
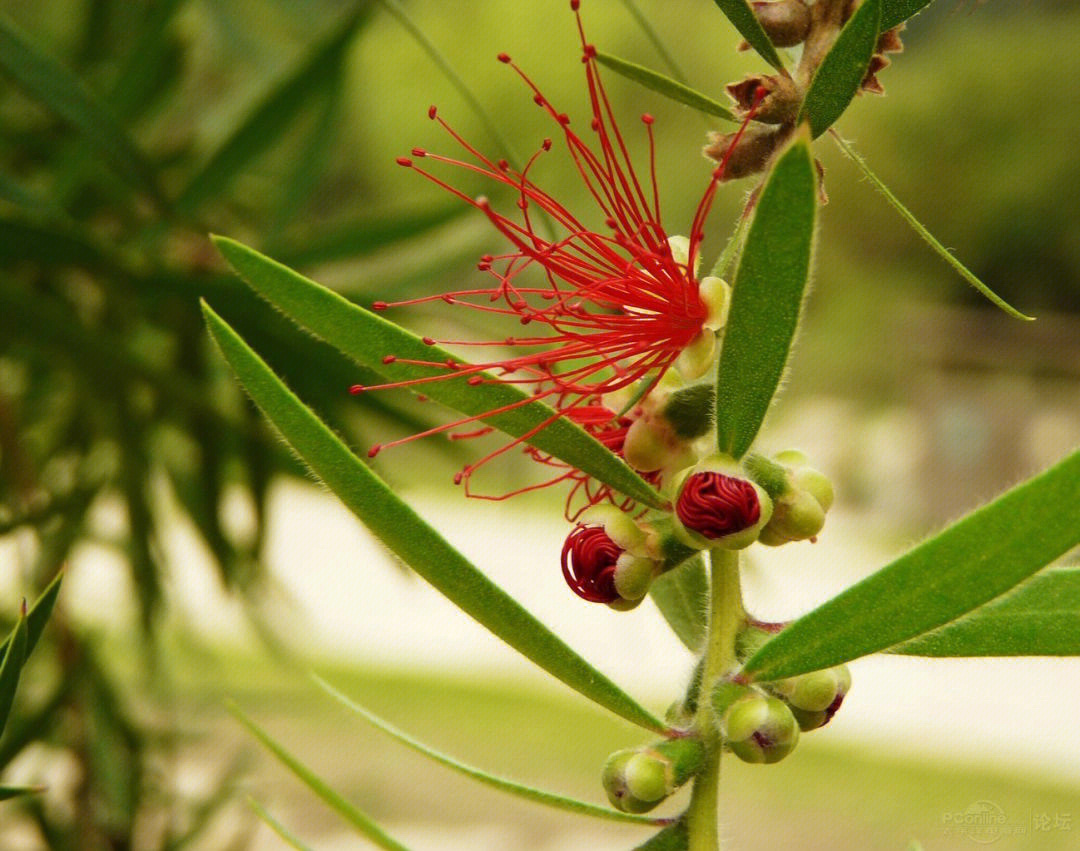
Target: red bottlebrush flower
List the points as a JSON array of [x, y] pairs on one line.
[[589, 559], [715, 505], [611, 308]]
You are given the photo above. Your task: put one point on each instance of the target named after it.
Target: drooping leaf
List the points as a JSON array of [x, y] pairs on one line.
[[539, 796], [971, 562], [894, 12], [923, 233], [277, 110], [368, 338], [351, 814], [666, 86], [745, 21], [682, 596], [407, 535], [841, 72], [38, 615], [767, 297], [62, 93], [1039, 618], [11, 665]]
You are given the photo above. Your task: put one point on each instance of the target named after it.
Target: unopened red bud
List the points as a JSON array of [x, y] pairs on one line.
[[717, 506]]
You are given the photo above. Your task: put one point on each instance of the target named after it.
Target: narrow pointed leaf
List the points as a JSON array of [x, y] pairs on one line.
[[682, 596], [973, 561], [841, 72], [38, 615], [745, 21], [894, 12], [407, 535], [353, 815], [274, 114], [368, 338], [921, 230], [62, 93], [559, 802], [654, 38], [666, 86], [9, 792], [674, 837], [1040, 618], [767, 297], [279, 829], [11, 666]]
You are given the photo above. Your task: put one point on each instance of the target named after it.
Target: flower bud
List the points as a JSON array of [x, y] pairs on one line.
[[715, 294], [760, 729], [774, 99], [800, 494], [815, 698], [786, 22], [636, 780], [716, 506], [747, 153], [604, 559]]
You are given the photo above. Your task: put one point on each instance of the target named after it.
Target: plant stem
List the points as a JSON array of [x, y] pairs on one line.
[[726, 615]]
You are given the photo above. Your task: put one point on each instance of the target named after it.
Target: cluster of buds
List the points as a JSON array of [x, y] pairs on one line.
[[801, 496], [637, 779], [775, 100]]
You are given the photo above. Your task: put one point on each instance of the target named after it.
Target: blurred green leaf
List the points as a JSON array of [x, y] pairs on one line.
[[767, 297], [674, 837], [368, 338], [276, 112], [1039, 618], [973, 561], [11, 666], [682, 596], [918, 227], [38, 616], [358, 819], [409, 537], [894, 12], [9, 792], [527, 792], [742, 16], [841, 72], [285, 835], [62, 93], [666, 86]]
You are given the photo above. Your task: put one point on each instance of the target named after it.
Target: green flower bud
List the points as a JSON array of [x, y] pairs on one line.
[[636, 780], [797, 516], [613, 778], [815, 698], [801, 496], [760, 729]]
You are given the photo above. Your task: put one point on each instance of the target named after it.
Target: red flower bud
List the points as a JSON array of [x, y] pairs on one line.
[[715, 505], [589, 559]]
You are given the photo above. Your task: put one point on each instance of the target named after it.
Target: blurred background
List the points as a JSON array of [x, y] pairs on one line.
[[203, 563]]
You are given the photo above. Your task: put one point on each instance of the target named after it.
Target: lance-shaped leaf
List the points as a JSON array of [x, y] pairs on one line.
[[282, 832], [61, 92], [539, 796], [368, 338], [745, 21], [409, 537], [841, 72], [269, 119], [767, 298], [11, 665], [38, 615], [1040, 618], [9, 792], [674, 837], [352, 814], [682, 596], [894, 12], [666, 86], [955, 572]]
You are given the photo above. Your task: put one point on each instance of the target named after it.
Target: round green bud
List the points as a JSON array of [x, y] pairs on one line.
[[816, 484], [648, 778], [633, 576], [613, 778], [796, 517], [812, 692], [760, 729]]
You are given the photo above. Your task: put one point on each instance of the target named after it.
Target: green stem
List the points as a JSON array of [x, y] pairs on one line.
[[726, 615]]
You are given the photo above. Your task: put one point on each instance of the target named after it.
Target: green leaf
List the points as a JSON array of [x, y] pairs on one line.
[[354, 816], [11, 666], [266, 123], [1040, 618], [407, 535], [38, 616], [895, 12], [767, 296], [654, 38], [367, 338], [745, 21], [841, 72], [918, 227], [9, 792], [527, 792], [682, 596], [666, 86], [674, 837], [282, 832], [61, 92], [973, 561]]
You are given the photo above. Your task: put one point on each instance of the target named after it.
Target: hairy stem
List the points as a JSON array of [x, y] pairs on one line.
[[726, 615]]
